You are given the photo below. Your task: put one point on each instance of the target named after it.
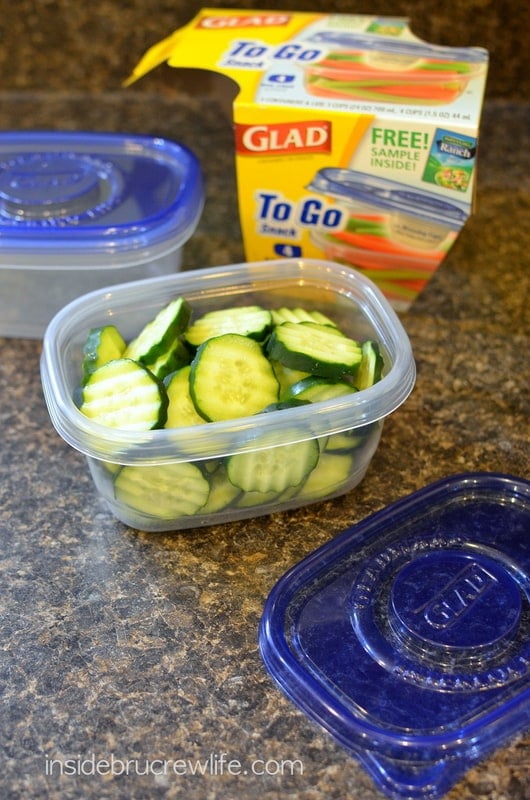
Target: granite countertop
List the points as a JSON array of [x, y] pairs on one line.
[[118, 643]]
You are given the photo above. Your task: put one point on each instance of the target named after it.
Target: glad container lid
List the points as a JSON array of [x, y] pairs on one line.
[[407, 637], [357, 187], [399, 47], [94, 198]]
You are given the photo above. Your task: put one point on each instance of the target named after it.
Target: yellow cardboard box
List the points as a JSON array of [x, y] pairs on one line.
[[355, 141]]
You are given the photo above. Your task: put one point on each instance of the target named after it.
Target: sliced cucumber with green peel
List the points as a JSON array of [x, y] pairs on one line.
[[317, 326], [223, 494], [317, 349], [176, 356], [371, 365], [252, 321], [314, 389], [231, 363], [282, 405], [330, 475], [125, 394], [166, 491], [158, 336], [273, 469], [345, 442], [285, 376], [251, 499], [231, 377], [102, 345], [181, 410], [284, 314]]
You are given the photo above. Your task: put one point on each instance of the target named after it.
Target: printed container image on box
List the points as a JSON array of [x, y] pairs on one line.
[[79, 211], [395, 234], [385, 70], [143, 474], [407, 637]]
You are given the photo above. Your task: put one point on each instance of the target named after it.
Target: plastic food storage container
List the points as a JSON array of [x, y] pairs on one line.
[[79, 211], [396, 234], [407, 637], [364, 67], [346, 429]]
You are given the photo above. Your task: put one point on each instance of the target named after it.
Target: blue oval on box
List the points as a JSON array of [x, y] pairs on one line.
[[407, 637]]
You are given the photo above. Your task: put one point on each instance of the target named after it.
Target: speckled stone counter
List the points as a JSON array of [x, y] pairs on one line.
[[143, 647]]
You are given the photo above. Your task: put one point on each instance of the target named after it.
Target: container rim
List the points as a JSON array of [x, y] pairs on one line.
[[218, 439]]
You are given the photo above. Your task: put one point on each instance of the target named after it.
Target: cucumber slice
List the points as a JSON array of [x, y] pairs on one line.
[[252, 321], [157, 337], [371, 365], [285, 376], [275, 468], [223, 494], [181, 410], [317, 349], [252, 499], [231, 377], [316, 326], [315, 389], [164, 491], [174, 358], [281, 405], [102, 345], [346, 442], [329, 476], [281, 315], [125, 394]]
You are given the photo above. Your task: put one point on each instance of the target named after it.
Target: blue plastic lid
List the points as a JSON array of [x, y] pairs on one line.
[[95, 195], [407, 637], [385, 44], [390, 195]]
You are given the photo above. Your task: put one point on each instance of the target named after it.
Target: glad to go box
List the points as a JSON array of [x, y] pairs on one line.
[[355, 141]]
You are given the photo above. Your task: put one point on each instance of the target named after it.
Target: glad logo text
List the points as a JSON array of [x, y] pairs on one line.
[[244, 21], [284, 137]]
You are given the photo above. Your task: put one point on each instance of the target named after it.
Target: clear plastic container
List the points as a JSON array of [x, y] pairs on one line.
[[407, 637], [79, 211], [348, 428]]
